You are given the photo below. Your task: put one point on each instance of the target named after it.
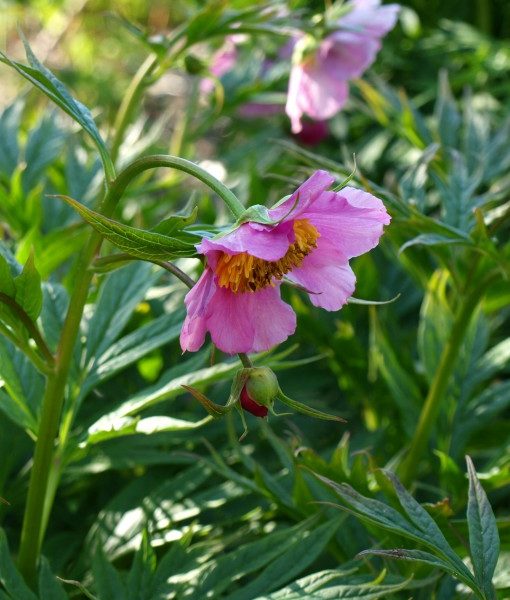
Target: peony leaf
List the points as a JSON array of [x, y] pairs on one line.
[[147, 245]]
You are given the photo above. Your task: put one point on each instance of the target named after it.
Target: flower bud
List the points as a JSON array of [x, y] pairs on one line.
[[259, 391], [194, 66]]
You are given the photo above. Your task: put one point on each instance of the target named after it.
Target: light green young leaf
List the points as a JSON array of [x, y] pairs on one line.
[[483, 533], [28, 289], [147, 245]]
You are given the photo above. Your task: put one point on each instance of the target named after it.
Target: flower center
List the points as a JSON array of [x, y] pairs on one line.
[[246, 273]]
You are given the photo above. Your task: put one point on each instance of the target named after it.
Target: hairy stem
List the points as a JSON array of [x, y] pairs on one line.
[[38, 501], [442, 377], [180, 164]]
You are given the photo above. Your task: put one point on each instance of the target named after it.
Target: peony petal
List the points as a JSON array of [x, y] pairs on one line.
[[314, 90], [348, 55], [370, 18], [264, 241], [195, 324], [249, 322], [351, 221], [303, 197], [328, 282]]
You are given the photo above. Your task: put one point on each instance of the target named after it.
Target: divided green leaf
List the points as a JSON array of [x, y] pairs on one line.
[[147, 245]]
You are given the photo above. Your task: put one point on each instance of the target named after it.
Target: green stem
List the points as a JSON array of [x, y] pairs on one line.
[[181, 164], [38, 501], [130, 102], [442, 377]]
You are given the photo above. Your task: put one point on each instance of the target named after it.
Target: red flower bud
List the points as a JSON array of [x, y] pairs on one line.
[[259, 391], [251, 406]]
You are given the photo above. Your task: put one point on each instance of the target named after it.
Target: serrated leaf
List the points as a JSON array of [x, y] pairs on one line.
[[42, 78], [483, 533], [28, 289], [384, 516], [147, 245], [432, 535], [419, 556]]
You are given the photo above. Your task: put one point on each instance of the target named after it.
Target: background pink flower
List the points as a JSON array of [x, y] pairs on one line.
[[318, 85], [222, 62], [237, 298]]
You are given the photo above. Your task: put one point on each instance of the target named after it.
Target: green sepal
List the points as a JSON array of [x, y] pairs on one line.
[[243, 421], [217, 410], [349, 177], [256, 213], [353, 300], [306, 410], [147, 245]]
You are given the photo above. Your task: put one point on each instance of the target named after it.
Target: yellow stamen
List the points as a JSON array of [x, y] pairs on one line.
[[246, 273]]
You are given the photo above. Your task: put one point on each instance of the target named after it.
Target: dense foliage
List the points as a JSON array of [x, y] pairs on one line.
[[149, 497]]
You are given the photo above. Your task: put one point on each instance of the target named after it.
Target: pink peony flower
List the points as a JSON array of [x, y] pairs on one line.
[[237, 298], [318, 85]]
